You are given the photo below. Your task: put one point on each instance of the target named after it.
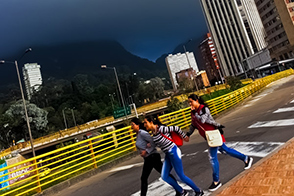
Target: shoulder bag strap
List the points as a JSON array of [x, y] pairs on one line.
[[166, 136]]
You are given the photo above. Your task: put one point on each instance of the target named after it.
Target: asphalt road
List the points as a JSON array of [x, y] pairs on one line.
[[257, 141]]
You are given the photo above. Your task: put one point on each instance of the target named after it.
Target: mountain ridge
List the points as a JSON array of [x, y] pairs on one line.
[[67, 60]]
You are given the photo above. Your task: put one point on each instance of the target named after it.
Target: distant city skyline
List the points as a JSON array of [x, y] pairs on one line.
[[147, 29], [180, 62], [32, 78]]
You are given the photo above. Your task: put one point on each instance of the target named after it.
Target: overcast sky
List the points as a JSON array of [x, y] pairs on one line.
[[147, 28]]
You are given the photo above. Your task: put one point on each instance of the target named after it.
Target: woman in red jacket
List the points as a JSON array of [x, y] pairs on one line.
[[203, 121]]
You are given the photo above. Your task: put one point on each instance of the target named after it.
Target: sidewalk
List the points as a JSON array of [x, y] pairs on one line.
[[273, 175]]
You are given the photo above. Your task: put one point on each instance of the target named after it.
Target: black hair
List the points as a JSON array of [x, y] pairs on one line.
[[195, 98], [155, 120], [141, 126], [136, 121]]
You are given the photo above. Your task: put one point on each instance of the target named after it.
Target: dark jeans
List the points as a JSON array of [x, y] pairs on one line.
[[150, 162]]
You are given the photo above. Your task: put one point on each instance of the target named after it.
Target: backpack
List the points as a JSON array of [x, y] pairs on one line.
[[175, 138]]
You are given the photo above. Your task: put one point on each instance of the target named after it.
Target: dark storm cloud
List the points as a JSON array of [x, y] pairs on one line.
[[147, 28]]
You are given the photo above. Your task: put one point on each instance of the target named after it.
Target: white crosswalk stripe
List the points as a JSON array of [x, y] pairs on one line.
[[292, 101], [291, 109], [255, 149], [274, 123], [159, 187], [125, 167], [252, 101]]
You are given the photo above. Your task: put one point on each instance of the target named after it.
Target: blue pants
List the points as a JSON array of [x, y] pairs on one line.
[[173, 160], [214, 161]]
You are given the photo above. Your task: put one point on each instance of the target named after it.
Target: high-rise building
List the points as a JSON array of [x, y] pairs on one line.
[[32, 78], [178, 62], [277, 18], [253, 24], [204, 78], [209, 59], [235, 30]]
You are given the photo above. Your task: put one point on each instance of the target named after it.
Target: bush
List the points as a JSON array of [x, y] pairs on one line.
[[234, 82], [215, 94], [2, 161], [174, 104]]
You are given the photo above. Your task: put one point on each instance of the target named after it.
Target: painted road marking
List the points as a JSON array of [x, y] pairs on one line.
[[271, 87], [291, 109], [275, 123], [254, 149], [292, 101], [251, 102], [192, 154], [159, 187], [139, 164], [126, 167]]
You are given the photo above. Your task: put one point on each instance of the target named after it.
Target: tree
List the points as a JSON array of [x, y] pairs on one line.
[[174, 104], [157, 87], [5, 139], [37, 117], [186, 85], [82, 83]]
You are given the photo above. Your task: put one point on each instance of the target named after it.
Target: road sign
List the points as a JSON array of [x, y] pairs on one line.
[[120, 112]]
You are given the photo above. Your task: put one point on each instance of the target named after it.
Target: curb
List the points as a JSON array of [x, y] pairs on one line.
[[257, 164]]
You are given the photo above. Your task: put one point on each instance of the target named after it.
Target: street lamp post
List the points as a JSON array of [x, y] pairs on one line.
[[73, 117], [121, 96], [65, 124], [131, 98], [195, 83], [22, 96], [111, 99], [134, 105]]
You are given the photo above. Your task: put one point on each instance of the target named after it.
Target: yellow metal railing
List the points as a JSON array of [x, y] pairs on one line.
[[38, 173], [30, 176], [95, 124], [182, 117]]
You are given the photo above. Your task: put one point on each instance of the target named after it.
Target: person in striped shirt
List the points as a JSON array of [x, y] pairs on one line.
[[147, 150], [172, 154]]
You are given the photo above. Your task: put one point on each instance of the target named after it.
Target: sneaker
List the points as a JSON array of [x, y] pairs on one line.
[[214, 187], [199, 193], [178, 193], [249, 163], [184, 193]]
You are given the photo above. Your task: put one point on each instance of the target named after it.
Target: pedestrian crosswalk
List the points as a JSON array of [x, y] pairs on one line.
[[159, 187], [280, 110], [276, 123], [254, 149], [273, 123]]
